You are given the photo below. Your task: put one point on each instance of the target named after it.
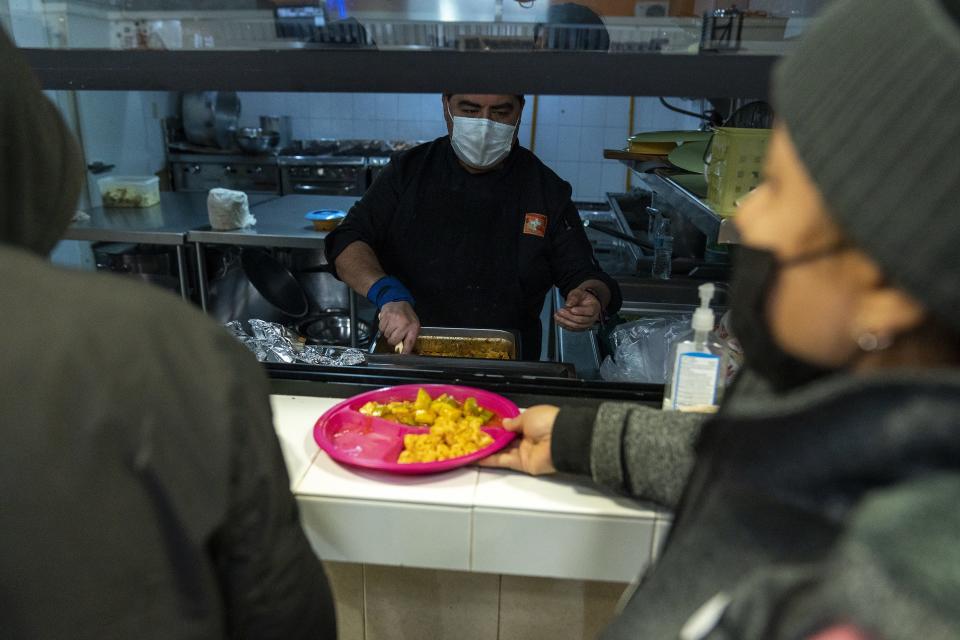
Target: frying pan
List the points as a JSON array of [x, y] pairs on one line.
[[276, 283]]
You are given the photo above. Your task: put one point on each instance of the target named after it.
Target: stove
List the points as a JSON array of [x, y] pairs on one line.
[[334, 167], [205, 171], [314, 167]]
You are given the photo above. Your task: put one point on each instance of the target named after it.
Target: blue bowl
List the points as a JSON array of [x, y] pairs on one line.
[[325, 219]]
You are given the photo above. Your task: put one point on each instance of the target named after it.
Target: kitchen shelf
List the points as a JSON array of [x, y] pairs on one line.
[[716, 228], [416, 71], [638, 162]]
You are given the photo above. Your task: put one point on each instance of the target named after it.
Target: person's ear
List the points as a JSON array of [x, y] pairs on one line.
[[883, 314], [447, 112]]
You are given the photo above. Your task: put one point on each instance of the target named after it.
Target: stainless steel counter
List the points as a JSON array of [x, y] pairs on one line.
[[182, 217], [165, 223], [280, 223]]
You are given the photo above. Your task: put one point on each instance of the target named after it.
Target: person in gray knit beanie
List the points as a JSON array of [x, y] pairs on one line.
[[871, 98], [820, 503]]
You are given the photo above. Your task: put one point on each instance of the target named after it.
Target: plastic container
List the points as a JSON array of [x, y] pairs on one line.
[[697, 375], [735, 161], [129, 191], [351, 438], [326, 219]]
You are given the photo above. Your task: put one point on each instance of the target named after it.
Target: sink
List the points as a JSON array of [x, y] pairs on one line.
[[665, 296]]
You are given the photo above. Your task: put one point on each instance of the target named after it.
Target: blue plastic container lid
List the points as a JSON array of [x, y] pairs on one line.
[[325, 214]]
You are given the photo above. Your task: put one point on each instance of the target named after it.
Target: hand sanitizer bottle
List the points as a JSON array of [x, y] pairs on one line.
[[696, 376]]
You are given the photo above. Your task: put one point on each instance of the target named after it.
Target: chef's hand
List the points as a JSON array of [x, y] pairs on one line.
[[581, 311], [399, 324], [531, 453]]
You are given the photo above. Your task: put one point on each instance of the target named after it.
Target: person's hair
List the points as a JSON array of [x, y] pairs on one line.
[[520, 98]]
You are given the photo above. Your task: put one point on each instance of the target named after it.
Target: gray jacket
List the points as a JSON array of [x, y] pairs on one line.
[[143, 493], [835, 502]]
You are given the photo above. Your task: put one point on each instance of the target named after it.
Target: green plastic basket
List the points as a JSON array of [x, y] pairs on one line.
[[735, 159]]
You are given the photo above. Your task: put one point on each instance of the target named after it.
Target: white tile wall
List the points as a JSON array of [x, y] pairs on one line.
[[572, 131]]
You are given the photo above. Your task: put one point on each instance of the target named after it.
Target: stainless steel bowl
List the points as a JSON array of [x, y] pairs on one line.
[[332, 327], [255, 140]]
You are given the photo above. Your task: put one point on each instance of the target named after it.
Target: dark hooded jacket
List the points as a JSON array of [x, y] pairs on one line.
[[833, 503], [143, 493]]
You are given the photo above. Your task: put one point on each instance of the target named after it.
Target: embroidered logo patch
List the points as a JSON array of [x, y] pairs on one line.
[[535, 224]]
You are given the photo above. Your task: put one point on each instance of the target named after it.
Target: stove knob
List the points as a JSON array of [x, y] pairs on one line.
[[229, 169], [320, 171], [194, 168], [258, 171]]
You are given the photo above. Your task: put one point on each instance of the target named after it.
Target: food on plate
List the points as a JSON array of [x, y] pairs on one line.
[[455, 428], [424, 410]]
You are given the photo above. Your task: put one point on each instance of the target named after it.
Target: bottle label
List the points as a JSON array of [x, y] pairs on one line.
[[695, 382]]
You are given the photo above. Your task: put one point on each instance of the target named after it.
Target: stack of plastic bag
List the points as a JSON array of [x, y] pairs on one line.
[[640, 348]]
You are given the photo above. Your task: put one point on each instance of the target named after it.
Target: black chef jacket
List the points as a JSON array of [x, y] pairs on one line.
[[475, 250]]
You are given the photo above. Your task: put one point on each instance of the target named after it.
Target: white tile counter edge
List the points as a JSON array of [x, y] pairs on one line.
[[471, 511]]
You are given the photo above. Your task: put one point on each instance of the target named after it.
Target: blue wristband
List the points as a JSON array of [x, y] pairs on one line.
[[388, 289]]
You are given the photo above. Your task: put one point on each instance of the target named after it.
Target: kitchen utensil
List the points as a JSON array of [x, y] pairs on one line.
[[590, 224], [210, 117], [662, 142], [352, 438], [256, 141], [676, 137], [332, 327], [690, 156], [281, 125], [274, 282], [277, 284], [695, 183]]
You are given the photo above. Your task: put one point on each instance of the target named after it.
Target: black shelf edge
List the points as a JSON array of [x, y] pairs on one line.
[[360, 70], [347, 381]]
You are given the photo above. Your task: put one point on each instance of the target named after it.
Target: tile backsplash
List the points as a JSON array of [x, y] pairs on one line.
[[571, 133]]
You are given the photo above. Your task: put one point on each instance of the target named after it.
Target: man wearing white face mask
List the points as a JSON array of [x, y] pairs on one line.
[[471, 230]]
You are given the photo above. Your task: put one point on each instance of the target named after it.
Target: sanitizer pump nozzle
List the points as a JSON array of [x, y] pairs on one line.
[[703, 318]]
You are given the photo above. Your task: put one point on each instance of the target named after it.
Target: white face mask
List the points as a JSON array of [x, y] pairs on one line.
[[480, 143]]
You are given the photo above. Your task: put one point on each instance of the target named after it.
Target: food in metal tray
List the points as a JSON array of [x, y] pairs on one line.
[[463, 347], [454, 427]]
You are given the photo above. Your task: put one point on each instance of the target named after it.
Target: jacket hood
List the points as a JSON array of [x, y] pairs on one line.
[[40, 162]]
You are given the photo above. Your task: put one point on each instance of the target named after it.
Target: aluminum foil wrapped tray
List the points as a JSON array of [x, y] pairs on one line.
[[272, 342]]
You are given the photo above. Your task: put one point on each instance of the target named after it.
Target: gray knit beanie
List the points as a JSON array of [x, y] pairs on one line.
[[871, 97]]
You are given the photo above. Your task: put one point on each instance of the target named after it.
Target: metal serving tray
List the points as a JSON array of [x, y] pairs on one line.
[[491, 338]]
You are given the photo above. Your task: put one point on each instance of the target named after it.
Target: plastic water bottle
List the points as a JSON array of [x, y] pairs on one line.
[[662, 248]]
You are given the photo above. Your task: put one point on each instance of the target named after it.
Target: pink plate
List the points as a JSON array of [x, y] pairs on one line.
[[349, 437]]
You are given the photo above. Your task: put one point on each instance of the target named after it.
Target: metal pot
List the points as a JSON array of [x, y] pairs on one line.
[[210, 117], [254, 140]]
